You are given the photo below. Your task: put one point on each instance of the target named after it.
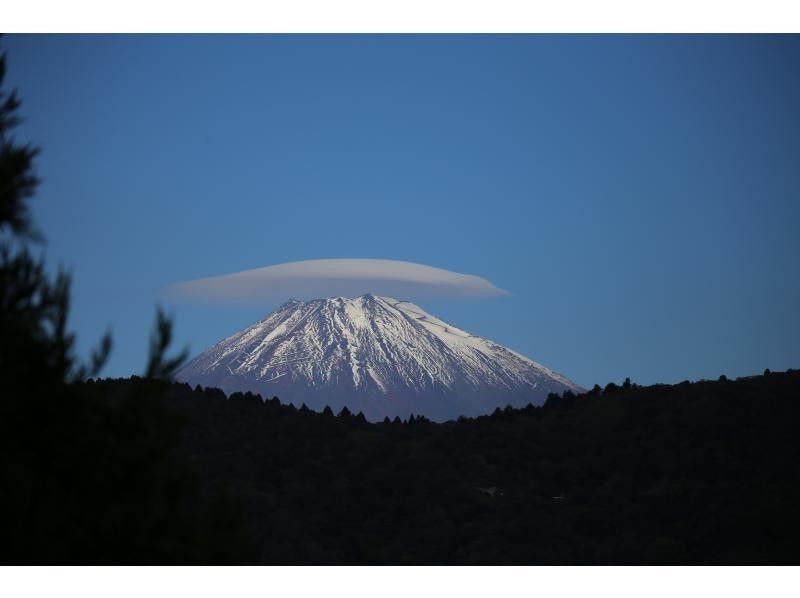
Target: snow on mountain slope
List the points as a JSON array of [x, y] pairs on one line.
[[373, 354]]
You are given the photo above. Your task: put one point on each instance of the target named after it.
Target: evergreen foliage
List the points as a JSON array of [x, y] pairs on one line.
[[84, 479]]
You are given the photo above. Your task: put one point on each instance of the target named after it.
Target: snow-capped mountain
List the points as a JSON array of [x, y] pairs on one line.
[[373, 354]]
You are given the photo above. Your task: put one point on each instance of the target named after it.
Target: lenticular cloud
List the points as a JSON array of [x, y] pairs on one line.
[[332, 278]]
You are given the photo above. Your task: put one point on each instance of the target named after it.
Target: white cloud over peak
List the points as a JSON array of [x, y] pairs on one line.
[[331, 278]]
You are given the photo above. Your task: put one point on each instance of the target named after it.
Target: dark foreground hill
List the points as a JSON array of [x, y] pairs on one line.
[[705, 472]]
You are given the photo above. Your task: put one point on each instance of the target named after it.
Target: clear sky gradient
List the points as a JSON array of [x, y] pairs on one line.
[[639, 196]]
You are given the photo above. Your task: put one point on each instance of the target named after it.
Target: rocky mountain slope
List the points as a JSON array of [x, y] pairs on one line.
[[373, 354]]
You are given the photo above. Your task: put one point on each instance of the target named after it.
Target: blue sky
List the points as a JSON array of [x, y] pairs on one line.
[[639, 196]]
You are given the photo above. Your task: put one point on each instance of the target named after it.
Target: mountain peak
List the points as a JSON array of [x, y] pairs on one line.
[[373, 354]]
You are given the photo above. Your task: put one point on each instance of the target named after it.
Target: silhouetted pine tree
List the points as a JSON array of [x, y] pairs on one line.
[[84, 478]]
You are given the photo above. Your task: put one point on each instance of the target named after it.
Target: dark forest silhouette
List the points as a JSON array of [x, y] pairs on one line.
[[705, 472], [144, 470]]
